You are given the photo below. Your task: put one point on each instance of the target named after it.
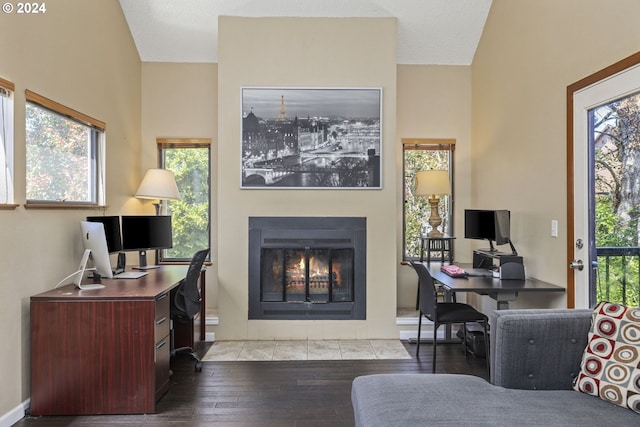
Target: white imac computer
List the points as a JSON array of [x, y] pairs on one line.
[[95, 239]]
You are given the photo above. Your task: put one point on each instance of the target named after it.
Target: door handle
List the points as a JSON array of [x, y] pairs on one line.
[[576, 264]]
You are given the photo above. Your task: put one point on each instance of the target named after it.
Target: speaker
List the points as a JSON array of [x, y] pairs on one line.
[[511, 271]]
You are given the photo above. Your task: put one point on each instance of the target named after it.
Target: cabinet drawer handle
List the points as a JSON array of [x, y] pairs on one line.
[[161, 297], [161, 320], [162, 344]]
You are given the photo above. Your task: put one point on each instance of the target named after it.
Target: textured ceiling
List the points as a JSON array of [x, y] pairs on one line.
[[442, 32]]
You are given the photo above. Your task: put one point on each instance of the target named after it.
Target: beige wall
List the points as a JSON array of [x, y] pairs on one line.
[[529, 53], [181, 101], [305, 52], [80, 54], [435, 102]]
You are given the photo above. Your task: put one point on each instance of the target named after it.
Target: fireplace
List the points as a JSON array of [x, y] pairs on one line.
[[307, 268]]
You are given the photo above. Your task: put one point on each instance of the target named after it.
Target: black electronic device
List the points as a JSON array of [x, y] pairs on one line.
[[111, 230], [490, 225], [114, 238], [143, 232]]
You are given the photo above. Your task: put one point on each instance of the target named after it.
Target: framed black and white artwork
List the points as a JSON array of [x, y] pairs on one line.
[[316, 138]]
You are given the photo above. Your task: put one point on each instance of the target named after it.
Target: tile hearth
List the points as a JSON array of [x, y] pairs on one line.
[[306, 350]]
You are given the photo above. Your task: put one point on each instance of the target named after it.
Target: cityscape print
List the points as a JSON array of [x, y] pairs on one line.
[[311, 138]]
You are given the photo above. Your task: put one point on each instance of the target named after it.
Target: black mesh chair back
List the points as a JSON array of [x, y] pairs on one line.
[[186, 301]]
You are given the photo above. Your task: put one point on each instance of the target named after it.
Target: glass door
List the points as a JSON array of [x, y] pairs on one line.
[[606, 190]]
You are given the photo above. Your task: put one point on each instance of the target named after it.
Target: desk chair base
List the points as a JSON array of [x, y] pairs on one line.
[[189, 352]]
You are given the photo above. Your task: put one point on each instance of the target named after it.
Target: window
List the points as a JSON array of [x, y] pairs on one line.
[[65, 154], [6, 142], [424, 154], [189, 160]]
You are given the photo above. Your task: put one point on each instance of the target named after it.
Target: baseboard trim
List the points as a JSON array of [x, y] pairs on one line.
[[15, 415], [424, 335], [411, 321]]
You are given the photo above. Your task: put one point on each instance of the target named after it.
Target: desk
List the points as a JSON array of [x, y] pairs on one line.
[[502, 291], [103, 351]]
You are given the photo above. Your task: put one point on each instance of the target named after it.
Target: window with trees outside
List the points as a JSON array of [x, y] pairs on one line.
[[65, 154], [419, 155], [189, 160], [6, 142]]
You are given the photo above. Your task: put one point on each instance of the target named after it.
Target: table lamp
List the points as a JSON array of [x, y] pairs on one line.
[[158, 184], [433, 183]]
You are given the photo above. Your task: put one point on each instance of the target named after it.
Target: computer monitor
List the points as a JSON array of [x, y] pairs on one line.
[[479, 224], [491, 225], [112, 231], [143, 232], [94, 238]]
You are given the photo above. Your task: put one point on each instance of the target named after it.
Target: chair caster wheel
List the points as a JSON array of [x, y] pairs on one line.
[[198, 367]]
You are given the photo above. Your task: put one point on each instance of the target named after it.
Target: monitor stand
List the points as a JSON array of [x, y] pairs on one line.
[[142, 255]]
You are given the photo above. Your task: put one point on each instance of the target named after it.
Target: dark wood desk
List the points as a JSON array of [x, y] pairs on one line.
[[503, 291], [102, 351]]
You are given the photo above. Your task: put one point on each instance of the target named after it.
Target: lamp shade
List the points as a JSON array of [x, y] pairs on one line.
[[432, 182], [158, 184]]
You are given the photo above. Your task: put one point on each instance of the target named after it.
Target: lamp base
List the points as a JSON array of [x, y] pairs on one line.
[[435, 233], [434, 218]]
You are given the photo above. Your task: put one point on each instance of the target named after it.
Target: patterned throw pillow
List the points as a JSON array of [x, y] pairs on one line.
[[610, 367]]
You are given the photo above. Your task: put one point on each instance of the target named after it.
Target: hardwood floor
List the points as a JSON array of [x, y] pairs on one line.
[[277, 393]]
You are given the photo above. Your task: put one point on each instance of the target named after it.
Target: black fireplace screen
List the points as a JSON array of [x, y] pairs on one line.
[[307, 268], [316, 275]]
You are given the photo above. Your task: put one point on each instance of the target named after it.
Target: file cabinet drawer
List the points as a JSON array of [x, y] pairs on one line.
[[162, 319]]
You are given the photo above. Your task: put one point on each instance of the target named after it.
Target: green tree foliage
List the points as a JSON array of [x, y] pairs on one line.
[[190, 214], [417, 208], [618, 278], [59, 157]]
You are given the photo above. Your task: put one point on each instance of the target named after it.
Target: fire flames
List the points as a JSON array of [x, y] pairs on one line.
[[318, 275]]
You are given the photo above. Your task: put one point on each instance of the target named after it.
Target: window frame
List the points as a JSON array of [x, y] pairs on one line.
[[7, 90], [184, 143], [96, 180], [428, 144]]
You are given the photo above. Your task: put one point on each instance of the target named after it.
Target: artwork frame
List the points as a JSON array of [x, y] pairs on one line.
[[311, 138]]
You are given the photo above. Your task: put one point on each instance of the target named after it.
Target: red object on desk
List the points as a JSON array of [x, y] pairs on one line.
[[453, 271]]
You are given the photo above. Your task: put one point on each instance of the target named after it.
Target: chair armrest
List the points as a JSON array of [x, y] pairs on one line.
[[537, 349]]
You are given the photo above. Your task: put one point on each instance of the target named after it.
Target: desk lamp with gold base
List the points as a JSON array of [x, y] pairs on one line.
[[433, 183]]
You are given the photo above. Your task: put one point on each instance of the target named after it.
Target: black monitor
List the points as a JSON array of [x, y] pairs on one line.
[[491, 225], [141, 233], [112, 231]]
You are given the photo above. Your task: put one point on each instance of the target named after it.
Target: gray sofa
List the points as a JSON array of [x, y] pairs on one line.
[[535, 354]]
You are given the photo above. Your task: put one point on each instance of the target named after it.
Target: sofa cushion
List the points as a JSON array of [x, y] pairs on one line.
[[538, 349], [411, 400], [610, 367]]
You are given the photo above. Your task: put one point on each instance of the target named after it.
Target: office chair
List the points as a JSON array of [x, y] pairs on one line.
[[186, 302], [443, 313]]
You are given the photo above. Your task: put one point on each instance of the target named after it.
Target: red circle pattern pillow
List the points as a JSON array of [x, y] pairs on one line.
[[610, 367]]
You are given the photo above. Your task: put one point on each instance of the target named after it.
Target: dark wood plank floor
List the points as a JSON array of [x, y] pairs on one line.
[[294, 394]]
